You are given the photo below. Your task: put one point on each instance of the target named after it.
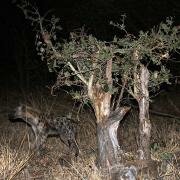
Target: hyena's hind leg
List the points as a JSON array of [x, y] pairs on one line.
[[74, 146], [66, 160], [71, 143]]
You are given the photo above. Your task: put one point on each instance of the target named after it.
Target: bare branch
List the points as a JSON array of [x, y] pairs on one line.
[[121, 95], [109, 72], [90, 85], [77, 73]]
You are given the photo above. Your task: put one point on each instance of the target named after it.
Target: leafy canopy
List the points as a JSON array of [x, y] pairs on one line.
[[83, 56]]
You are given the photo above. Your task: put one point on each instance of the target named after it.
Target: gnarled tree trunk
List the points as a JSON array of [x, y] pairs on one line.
[[107, 125], [109, 151], [108, 146]]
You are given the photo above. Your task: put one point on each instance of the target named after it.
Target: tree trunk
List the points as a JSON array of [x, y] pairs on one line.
[[109, 151], [108, 146], [107, 125], [144, 121]]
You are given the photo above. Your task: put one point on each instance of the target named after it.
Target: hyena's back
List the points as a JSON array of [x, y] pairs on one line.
[[44, 125]]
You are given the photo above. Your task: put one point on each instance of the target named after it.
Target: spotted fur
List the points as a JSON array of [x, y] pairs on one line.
[[44, 125]]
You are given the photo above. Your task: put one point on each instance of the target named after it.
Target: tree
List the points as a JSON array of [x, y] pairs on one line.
[[103, 71], [143, 61]]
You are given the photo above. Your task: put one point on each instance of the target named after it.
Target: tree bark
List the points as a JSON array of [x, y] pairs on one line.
[[108, 146], [107, 125], [144, 121], [141, 94], [109, 152]]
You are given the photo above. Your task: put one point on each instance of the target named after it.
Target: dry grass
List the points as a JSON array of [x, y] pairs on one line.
[[165, 148], [84, 168], [12, 161], [16, 161]]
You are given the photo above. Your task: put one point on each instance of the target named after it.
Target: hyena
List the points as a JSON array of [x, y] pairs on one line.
[[44, 125]]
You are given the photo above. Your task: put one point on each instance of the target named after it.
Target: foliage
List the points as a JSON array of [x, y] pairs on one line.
[[89, 56], [152, 49], [84, 56]]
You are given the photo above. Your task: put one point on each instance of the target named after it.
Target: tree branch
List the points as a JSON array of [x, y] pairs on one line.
[[109, 72], [90, 84], [78, 75], [121, 94]]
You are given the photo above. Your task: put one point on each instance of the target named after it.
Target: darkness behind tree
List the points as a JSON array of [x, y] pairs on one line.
[[93, 15]]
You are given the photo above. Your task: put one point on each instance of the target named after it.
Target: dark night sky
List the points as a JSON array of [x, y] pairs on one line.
[[95, 15]]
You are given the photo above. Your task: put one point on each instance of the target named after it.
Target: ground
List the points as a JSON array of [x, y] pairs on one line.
[[18, 162]]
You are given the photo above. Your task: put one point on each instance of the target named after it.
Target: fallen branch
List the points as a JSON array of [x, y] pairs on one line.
[[161, 114]]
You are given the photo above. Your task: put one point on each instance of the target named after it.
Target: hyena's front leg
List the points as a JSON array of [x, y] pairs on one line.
[[40, 138], [39, 143]]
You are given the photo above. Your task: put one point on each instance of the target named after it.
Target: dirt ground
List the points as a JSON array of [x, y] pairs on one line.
[[18, 162]]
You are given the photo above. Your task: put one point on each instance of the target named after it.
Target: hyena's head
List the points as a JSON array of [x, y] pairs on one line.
[[23, 112]]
